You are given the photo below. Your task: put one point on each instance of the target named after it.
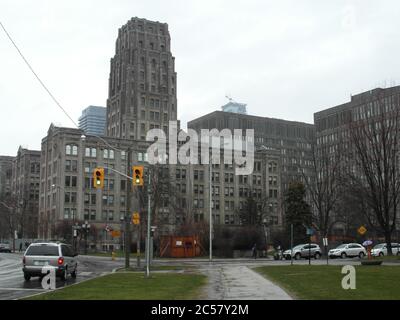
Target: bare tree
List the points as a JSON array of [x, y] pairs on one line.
[[10, 215], [163, 197], [324, 184], [375, 174]]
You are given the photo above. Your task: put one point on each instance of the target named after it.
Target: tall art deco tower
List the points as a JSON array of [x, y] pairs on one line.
[[142, 83]]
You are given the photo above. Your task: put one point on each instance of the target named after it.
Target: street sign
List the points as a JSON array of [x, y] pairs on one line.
[[115, 233], [310, 231], [362, 230], [325, 241]]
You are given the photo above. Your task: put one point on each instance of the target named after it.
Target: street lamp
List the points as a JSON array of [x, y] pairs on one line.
[[86, 228]]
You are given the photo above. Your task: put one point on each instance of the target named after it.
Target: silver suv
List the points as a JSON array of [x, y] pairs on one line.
[[303, 251], [59, 255], [348, 250]]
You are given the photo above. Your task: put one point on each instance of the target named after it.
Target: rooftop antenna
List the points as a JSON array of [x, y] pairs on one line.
[[229, 98]]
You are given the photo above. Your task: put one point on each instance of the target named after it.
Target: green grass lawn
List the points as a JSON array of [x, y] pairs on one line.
[[132, 286], [324, 282]]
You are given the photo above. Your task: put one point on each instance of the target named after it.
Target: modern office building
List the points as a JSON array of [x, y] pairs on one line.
[[142, 81], [292, 139], [333, 132], [93, 120]]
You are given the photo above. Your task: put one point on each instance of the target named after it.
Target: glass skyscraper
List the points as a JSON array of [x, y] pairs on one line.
[[93, 120]]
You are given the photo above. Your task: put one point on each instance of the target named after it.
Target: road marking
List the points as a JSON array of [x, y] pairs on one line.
[[85, 273]]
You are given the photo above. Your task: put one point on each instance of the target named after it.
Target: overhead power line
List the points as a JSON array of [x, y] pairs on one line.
[[46, 88], [36, 75]]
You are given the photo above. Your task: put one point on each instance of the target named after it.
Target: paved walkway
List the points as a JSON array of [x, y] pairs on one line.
[[238, 282]]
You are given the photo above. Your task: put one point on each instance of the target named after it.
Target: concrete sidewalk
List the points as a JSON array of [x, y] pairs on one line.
[[239, 283]]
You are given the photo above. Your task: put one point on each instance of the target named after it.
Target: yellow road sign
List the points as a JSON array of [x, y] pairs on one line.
[[135, 221], [361, 230]]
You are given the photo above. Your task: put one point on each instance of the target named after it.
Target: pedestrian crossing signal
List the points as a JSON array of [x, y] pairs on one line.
[[137, 175], [98, 178]]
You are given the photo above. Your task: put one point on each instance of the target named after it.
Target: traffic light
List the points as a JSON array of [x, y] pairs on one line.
[[137, 175], [98, 178]]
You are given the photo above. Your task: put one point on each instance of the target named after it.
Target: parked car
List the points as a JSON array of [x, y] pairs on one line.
[[303, 251], [348, 250], [5, 247], [59, 255], [381, 249]]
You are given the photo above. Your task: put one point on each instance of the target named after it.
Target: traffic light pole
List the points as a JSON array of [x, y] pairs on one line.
[[128, 213], [148, 226]]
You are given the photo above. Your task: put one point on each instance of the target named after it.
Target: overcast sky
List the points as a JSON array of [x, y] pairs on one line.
[[285, 59]]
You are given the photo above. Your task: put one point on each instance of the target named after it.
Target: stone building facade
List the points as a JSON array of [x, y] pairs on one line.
[[229, 192], [142, 81], [25, 190], [67, 195], [5, 175]]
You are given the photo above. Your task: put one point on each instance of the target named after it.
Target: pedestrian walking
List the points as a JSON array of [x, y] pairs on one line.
[[20, 246], [254, 251]]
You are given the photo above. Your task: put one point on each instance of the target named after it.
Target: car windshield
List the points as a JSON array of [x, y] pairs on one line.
[[379, 246], [42, 251], [341, 246]]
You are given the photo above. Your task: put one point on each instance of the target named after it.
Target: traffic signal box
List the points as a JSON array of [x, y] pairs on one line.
[[137, 175], [98, 178]]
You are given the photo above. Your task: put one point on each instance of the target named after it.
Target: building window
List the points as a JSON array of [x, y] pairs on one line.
[[71, 150], [67, 213], [93, 215]]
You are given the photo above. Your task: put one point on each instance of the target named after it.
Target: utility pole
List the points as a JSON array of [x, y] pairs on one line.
[[128, 212], [291, 244], [211, 222], [148, 225], [138, 246]]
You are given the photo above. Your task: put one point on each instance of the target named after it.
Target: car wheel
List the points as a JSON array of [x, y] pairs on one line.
[[73, 274], [317, 255], [361, 255], [27, 277], [64, 275], [343, 255], [381, 254], [297, 256]]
